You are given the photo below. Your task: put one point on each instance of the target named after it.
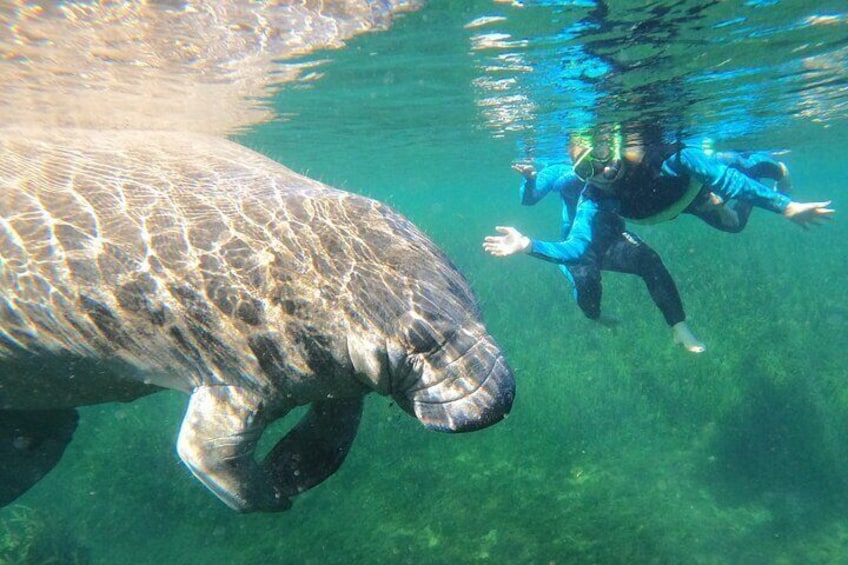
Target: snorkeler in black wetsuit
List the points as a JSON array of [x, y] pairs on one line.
[[611, 248]]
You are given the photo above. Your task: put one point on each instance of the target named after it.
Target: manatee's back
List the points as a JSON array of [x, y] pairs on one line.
[[181, 258]]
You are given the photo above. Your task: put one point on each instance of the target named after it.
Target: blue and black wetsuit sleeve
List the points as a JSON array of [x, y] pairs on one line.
[[724, 181], [550, 179], [575, 246], [757, 165], [554, 178]]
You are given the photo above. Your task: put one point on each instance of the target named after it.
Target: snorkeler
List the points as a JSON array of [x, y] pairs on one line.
[[611, 249], [650, 183], [655, 182]]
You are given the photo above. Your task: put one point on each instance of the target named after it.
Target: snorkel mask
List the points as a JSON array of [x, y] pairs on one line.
[[601, 159]]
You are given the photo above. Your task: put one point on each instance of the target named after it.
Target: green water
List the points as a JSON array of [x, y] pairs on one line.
[[620, 448]]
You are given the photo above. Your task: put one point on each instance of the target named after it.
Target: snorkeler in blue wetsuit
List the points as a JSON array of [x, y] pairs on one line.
[[611, 248], [651, 183]]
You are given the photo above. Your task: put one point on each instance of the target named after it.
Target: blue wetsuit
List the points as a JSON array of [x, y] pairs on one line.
[[666, 173], [754, 164], [757, 165], [602, 242], [662, 177]]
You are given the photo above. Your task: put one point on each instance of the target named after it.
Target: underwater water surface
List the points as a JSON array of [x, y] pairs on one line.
[[621, 447]]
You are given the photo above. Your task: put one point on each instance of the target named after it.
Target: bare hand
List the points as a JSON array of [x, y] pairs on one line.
[[502, 245], [525, 170], [805, 213]]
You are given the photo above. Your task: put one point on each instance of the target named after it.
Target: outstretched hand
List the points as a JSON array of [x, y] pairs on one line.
[[525, 170], [805, 213], [512, 241]]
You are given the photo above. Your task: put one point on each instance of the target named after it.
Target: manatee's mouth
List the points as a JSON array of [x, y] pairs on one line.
[[465, 403]]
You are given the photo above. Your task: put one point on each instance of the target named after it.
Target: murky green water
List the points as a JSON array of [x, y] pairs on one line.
[[621, 448]]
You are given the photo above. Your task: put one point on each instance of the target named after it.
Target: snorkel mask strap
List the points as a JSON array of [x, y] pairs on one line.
[[583, 156]]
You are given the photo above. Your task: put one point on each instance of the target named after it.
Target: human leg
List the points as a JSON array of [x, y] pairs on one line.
[[731, 217], [755, 164], [585, 277], [758, 165], [631, 255]]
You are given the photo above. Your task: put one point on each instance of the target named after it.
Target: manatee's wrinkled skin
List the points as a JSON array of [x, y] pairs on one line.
[[136, 261]]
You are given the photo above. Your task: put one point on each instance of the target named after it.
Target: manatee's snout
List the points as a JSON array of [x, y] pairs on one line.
[[488, 404], [466, 385]]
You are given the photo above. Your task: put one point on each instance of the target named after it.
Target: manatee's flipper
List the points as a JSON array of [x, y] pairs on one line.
[[31, 443], [315, 448], [217, 440]]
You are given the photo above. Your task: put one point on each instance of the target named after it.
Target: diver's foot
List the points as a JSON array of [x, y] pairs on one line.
[[682, 335], [784, 185]]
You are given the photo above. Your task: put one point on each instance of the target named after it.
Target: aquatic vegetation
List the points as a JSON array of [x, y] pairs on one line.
[[17, 533], [27, 537]]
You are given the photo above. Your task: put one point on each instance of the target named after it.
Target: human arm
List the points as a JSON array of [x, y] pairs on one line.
[[529, 190], [553, 178], [726, 182]]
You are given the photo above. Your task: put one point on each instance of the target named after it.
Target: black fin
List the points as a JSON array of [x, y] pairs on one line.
[[31, 443], [316, 447]]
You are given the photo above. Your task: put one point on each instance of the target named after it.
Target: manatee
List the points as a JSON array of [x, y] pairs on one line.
[[137, 261]]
